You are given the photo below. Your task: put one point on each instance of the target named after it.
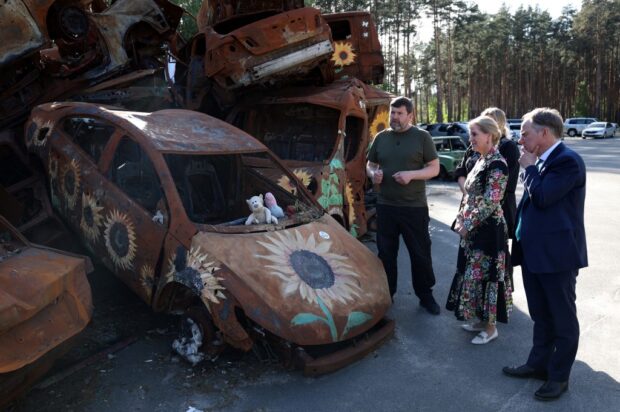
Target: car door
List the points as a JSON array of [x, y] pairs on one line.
[[134, 215]]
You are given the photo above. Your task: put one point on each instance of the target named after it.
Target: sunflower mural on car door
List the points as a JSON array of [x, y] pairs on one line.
[[70, 183], [307, 267], [120, 239]]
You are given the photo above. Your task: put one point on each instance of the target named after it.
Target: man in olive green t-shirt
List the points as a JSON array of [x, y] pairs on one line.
[[400, 160]]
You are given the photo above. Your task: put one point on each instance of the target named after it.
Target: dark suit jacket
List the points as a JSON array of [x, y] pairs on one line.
[[553, 237]]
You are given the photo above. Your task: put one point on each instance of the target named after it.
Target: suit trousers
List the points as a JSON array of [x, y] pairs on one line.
[[551, 302], [412, 223]]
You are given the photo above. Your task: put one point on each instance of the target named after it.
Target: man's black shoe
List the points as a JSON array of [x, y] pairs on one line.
[[551, 390], [430, 305], [525, 372]]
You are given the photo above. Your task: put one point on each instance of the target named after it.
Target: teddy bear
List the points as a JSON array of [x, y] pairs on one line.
[[260, 214], [270, 202]]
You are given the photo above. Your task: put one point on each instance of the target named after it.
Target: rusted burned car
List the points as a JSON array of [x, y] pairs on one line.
[[213, 11], [51, 48], [321, 133], [45, 301], [256, 48], [357, 50], [160, 198]]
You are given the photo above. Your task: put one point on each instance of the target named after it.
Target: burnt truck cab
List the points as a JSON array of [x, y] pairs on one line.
[[357, 50], [160, 198], [321, 133]]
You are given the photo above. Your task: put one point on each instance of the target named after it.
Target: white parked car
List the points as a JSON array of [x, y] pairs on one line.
[[598, 129], [574, 126]]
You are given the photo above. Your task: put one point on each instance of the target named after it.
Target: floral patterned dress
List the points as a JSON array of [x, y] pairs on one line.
[[481, 288]]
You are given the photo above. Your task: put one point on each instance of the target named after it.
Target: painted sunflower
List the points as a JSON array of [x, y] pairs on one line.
[[146, 279], [343, 54], [379, 123], [120, 239], [70, 183], [91, 217], [310, 269], [197, 271], [301, 174]]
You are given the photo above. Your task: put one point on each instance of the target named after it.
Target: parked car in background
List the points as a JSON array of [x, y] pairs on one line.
[[450, 150], [449, 129], [515, 131], [161, 199], [598, 129], [574, 126]]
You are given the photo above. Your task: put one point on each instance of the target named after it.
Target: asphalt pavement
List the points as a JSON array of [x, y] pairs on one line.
[[430, 364]]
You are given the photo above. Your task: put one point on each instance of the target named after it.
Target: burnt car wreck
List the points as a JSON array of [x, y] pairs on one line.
[[182, 186]]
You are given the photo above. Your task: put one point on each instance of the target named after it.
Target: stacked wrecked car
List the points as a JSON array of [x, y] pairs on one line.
[[275, 103]]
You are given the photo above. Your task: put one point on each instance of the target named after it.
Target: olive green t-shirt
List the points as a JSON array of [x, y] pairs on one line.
[[395, 152]]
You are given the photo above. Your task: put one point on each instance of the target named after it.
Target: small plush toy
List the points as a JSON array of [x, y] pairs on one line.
[[260, 214], [270, 202]]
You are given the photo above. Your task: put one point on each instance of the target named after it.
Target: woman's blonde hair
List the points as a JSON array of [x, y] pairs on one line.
[[487, 125], [499, 116]]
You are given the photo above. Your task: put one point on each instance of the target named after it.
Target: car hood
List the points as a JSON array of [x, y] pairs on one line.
[[310, 284]]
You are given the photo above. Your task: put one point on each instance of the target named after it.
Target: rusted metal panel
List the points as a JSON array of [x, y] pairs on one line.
[[189, 243], [45, 300], [357, 50], [252, 49], [19, 32]]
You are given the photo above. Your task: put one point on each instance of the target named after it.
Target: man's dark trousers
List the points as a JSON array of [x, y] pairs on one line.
[[551, 302], [412, 223]]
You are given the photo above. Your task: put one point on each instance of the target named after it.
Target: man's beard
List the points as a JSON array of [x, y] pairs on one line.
[[396, 126]]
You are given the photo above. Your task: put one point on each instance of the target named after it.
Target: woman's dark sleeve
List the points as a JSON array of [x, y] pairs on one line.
[[461, 169], [510, 151]]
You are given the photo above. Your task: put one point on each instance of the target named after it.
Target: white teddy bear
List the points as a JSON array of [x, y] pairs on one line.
[[260, 214]]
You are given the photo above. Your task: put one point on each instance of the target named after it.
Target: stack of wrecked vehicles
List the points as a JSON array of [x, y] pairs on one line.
[[161, 197]]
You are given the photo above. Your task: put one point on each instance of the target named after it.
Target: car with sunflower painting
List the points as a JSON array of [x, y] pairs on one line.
[[160, 199], [357, 49], [321, 133]]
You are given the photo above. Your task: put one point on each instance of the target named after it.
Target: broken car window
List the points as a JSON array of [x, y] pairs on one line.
[[297, 131], [89, 133], [133, 172]]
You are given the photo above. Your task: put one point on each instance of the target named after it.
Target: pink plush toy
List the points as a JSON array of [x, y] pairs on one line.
[[272, 205]]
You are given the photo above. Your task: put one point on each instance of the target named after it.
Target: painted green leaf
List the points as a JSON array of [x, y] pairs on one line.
[[335, 200], [325, 185], [353, 230], [305, 318], [329, 319], [355, 319], [335, 179], [323, 201], [336, 164]]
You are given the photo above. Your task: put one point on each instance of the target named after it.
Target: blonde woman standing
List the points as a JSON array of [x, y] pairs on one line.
[[481, 290]]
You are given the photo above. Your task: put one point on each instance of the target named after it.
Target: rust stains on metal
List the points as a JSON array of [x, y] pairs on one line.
[[45, 300]]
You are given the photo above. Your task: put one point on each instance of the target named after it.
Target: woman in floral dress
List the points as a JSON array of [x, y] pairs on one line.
[[481, 288]]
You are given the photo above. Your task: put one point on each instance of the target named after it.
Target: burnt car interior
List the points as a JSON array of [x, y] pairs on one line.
[[133, 172], [90, 134], [240, 21], [304, 132], [214, 188]]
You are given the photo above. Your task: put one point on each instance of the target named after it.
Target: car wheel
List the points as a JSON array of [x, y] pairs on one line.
[[443, 173], [572, 132], [197, 337]]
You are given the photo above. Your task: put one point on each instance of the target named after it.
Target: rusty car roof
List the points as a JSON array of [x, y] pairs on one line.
[[171, 130]]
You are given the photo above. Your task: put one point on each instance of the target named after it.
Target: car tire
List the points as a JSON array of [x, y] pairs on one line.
[[443, 173], [572, 132], [200, 316]]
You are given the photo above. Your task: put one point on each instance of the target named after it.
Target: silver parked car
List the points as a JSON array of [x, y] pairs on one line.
[[599, 129], [574, 126]]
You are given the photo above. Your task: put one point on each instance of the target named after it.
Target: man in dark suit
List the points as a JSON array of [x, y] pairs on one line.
[[550, 246]]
